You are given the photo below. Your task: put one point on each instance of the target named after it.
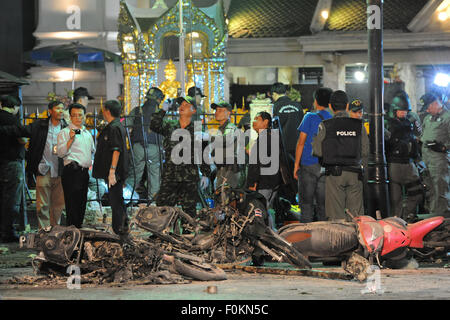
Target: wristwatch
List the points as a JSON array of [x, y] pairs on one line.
[[112, 167]]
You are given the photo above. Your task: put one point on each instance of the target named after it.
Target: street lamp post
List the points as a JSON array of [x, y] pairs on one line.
[[377, 168]]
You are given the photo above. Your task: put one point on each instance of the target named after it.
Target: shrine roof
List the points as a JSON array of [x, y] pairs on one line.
[[350, 15], [292, 18]]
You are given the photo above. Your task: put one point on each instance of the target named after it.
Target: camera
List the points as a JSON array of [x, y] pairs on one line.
[[77, 131]]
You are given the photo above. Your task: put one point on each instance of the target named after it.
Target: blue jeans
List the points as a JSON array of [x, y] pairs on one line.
[[11, 184], [311, 193]]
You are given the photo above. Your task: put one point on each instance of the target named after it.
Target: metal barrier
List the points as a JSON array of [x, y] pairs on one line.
[[94, 129]]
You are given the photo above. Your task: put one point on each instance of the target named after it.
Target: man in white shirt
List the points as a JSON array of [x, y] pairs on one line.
[[75, 147]]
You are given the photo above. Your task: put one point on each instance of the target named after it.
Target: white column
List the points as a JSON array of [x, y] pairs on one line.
[[407, 73], [333, 72], [114, 78], [288, 75]]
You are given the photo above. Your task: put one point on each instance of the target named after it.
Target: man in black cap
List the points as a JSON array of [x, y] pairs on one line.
[[146, 144], [290, 115], [227, 165], [197, 97], [82, 96], [356, 109], [425, 101], [11, 170], [341, 143], [435, 152], [402, 150]]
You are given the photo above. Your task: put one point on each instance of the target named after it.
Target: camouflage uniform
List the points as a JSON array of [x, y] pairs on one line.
[[179, 182], [231, 172], [437, 128]]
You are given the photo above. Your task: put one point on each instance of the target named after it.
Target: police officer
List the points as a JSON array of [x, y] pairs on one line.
[[179, 180], [342, 142], [290, 114], [401, 153], [435, 152], [356, 111], [146, 144]]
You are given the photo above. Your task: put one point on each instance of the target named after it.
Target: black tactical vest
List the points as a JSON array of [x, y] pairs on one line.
[[148, 108], [342, 143], [402, 144]]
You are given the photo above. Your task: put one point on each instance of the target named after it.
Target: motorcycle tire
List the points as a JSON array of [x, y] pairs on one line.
[[199, 271]]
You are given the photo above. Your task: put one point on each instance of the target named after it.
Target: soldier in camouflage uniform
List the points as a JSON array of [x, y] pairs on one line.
[[228, 167], [179, 182], [435, 152]]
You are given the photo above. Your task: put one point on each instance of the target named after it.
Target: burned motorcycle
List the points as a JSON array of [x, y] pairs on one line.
[[232, 231], [359, 242], [104, 257]]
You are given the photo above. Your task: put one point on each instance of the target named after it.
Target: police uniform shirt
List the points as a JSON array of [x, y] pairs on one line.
[[318, 139], [112, 138], [436, 127], [81, 149]]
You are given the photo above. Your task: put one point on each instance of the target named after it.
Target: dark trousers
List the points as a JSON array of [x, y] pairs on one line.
[[119, 211], [75, 181], [11, 183]]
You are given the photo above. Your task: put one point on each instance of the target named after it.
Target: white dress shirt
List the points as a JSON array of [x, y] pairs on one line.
[[82, 147]]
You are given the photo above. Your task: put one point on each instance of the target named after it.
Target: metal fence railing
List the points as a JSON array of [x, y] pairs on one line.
[[94, 124]]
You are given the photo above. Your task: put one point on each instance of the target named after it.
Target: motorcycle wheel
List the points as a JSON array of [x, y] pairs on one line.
[[199, 271]]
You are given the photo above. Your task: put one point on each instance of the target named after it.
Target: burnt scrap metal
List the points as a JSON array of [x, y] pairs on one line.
[[106, 258], [225, 234]]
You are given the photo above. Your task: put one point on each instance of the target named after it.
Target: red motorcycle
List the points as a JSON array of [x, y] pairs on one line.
[[356, 244]]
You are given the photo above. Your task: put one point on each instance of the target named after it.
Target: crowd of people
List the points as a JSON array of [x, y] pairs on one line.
[[323, 156]]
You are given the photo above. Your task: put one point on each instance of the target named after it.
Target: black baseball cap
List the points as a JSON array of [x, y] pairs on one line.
[[222, 104], [193, 91], [426, 100], [82, 92], [9, 101], [356, 105]]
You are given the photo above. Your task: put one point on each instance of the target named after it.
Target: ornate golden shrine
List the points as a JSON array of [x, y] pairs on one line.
[[142, 48]]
